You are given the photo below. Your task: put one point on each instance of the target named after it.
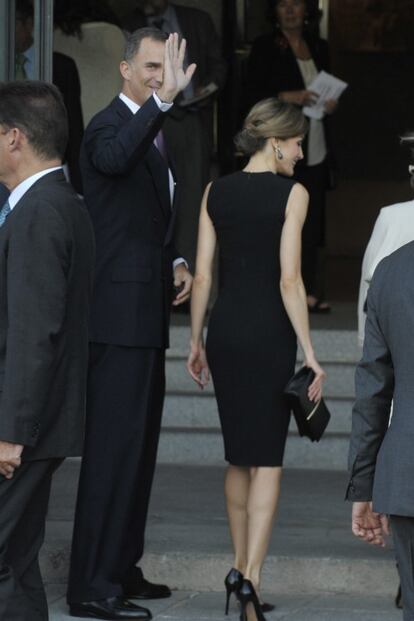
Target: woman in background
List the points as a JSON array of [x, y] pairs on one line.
[[255, 217], [283, 64]]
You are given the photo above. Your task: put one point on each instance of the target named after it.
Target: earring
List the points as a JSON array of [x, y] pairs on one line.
[[278, 152]]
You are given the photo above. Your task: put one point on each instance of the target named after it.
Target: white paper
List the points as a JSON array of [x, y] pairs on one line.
[[326, 86]]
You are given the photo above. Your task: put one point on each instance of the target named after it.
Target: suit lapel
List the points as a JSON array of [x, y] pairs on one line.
[[154, 162], [159, 175]]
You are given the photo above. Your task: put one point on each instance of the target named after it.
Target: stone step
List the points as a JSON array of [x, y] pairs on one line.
[[197, 411], [205, 446], [187, 543], [339, 379], [191, 433], [330, 345]]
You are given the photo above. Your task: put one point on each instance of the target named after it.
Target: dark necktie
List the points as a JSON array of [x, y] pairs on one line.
[[4, 212], [21, 60], [160, 144]]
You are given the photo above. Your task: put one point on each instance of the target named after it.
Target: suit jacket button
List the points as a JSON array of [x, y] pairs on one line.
[[155, 220]]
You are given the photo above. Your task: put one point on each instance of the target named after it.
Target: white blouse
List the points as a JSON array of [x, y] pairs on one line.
[[316, 136]]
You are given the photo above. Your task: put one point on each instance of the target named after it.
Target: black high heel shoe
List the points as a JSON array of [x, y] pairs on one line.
[[232, 582], [247, 595]]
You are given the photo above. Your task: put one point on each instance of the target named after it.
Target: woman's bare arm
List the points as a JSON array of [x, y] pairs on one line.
[[291, 283], [197, 363]]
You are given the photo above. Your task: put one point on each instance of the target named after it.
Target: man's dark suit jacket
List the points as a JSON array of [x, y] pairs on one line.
[[66, 78], [46, 262], [126, 187], [272, 68]]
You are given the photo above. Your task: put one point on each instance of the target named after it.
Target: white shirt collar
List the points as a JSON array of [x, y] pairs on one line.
[[22, 188], [134, 107]]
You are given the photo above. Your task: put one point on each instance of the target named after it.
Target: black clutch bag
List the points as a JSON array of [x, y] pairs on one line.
[[311, 418]]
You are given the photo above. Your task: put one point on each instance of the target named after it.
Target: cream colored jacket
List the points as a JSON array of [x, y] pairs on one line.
[[393, 228]]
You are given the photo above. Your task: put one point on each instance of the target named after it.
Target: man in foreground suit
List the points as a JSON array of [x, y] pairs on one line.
[[381, 457], [129, 191], [46, 262]]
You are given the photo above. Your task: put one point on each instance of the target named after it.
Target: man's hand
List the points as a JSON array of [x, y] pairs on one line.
[[10, 458], [367, 525], [175, 79], [183, 282]]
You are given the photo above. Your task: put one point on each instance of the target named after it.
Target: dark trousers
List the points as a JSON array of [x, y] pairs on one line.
[[314, 178], [23, 507], [403, 537], [126, 387]]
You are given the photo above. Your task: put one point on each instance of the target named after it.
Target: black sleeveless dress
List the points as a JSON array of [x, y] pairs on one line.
[[251, 345]]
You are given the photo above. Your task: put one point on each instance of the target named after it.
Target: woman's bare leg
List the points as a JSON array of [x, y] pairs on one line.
[[236, 489], [261, 509]]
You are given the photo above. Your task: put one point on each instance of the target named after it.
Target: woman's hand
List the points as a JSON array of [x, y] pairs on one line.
[[331, 105], [300, 98], [315, 389], [197, 366]]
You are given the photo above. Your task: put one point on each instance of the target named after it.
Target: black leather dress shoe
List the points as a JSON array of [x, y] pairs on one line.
[[113, 608], [142, 589]]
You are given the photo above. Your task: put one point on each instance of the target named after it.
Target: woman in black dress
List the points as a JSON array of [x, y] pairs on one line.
[[255, 217], [283, 64]]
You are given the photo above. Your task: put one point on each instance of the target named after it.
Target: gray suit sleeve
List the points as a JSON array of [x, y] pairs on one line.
[[374, 386], [37, 266]]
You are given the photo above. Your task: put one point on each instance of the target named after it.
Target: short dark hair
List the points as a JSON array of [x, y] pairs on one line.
[[37, 109], [135, 39]]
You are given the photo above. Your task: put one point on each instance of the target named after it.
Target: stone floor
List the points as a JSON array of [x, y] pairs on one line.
[[196, 606]]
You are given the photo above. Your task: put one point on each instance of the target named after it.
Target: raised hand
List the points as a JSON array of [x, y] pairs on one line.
[[175, 78]]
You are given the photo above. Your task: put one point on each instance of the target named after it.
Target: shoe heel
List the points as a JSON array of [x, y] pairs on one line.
[[232, 582], [228, 593], [247, 595]]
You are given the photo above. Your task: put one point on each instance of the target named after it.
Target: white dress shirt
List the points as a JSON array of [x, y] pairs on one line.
[[316, 137]]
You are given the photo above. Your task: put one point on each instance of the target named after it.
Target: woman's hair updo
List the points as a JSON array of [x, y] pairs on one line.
[[270, 118]]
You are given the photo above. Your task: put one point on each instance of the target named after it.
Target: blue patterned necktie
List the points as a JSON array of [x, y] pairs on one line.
[[4, 212]]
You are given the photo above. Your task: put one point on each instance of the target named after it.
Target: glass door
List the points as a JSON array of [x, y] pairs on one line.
[[21, 31]]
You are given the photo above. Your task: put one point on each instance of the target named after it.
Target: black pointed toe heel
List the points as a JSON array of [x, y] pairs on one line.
[[247, 595], [232, 582]]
